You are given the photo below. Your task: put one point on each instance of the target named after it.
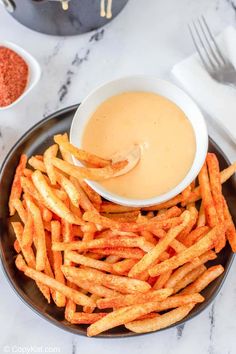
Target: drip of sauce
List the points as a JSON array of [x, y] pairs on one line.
[[161, 129], [108, 11]]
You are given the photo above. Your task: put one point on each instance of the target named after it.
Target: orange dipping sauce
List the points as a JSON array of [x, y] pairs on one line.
[[163, 132]]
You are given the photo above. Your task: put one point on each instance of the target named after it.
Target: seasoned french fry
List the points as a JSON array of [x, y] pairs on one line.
[[182, 271], [130, 226], [79, 154], [116, 241], [162, 280], [59, 298], [39, 234], [89, 309], [201, 221], [56, 205], [37, 164], [72, 294], [85, 203], [196, 235], [116, 282], [206, 278], [69, 187], [230, 228], [108, 207], [89, 262], [86, 318], [122, 252], [18, 205], [126, 315], [16, 188], [165, 320], [124, 266], [134, 299], [92, 287], [95, 174], [47, 159], [27, 237], [27, 252], [189, 278], [148, 260], [203, 245]]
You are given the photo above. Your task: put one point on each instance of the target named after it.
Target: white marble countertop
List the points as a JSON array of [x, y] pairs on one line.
[[148, 37]]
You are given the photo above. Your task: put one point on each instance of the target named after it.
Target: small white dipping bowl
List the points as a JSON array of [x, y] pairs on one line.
[[34, 70], [148, 84]]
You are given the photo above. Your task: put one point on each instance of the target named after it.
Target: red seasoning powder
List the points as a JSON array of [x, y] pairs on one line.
[[13, 76]]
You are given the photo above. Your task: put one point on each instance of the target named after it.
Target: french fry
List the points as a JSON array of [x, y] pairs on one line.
[[230, 228], [134, 299], [123, 266], [56, 205], [111, 259], [201, 221], [115, 241], [16, 188], [165, 320], [89, 309], [196, 235], [89, 262], [123, 217], [80, 154], [27, 237], [193, 219], [92, 287], [93, 196], [204, 279], [121, 252], [27, 252], [47, 158], [189, 278], [95, 174], [86, 318], [130, 226], [64, 153], [37, 164], [115, 282], [162, 280], [39, 234], [125, 315], [216, 189], [16, 246], [147, 261], [85, 202], [182, 271], [18, 205], [29, 257], [200, 247], [186, 193], [72, 294], [69, 187], [59, 298], [108, 207]]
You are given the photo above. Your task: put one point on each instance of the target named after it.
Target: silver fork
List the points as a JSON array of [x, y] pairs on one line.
[[215, 63]]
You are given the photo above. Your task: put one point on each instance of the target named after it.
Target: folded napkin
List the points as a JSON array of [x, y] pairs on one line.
[[218, 100]]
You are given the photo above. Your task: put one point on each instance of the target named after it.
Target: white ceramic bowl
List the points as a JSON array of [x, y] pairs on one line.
[[150, 84], [34, 70]]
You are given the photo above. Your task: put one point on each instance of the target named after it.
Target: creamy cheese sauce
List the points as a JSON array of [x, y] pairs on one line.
[[161, 128]]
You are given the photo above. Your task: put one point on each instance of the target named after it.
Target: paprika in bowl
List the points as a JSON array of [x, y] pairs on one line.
[[19, 73]]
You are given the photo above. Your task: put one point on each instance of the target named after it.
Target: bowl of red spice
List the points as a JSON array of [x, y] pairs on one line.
[[19, 73]]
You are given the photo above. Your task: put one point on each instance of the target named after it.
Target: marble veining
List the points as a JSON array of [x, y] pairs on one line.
[[148, 37]]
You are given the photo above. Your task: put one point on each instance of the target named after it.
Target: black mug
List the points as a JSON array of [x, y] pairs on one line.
[[64, 17]]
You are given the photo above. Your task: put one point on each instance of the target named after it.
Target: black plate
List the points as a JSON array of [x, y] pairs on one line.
[[35, 141]]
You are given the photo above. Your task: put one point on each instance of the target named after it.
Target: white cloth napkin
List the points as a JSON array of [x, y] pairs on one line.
[[218, 100]]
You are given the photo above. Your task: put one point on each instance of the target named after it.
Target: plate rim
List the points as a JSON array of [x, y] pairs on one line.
[[49, 318]]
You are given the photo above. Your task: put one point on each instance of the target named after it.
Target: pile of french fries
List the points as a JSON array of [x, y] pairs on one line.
[[110, 265]]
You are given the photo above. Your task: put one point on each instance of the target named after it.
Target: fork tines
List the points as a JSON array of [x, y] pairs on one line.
[[207, 48]]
